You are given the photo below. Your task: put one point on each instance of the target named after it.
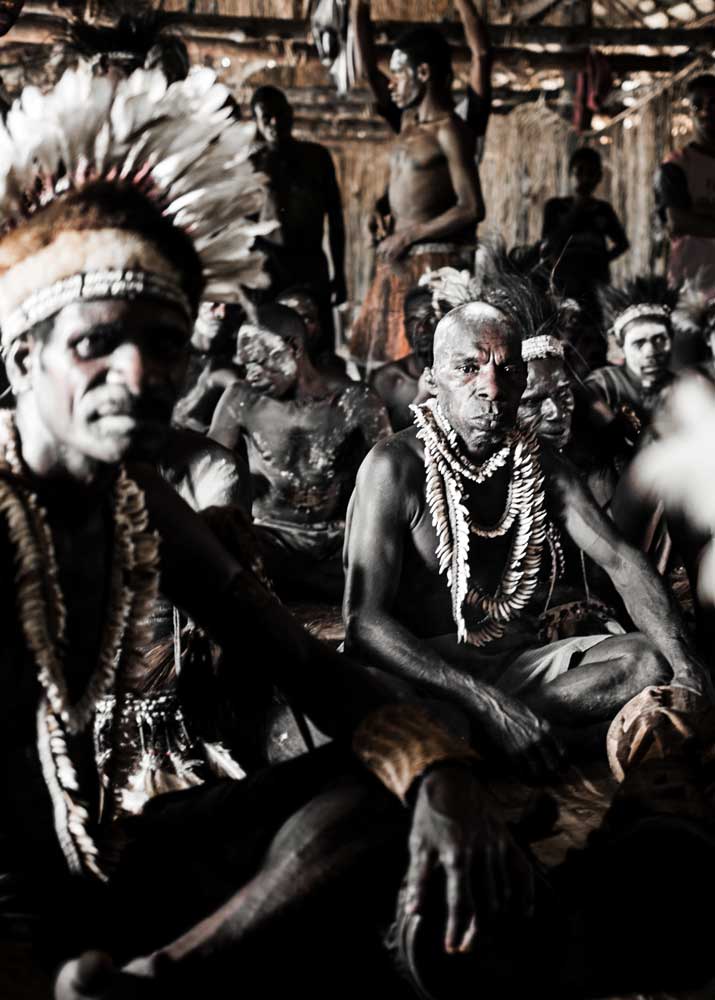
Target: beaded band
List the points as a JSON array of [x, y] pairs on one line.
[[399, 742], [91, 285], [544, 346], [645, 309]]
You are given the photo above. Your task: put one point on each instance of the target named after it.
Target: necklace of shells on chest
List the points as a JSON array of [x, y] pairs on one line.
[[448, 472], [43, 618]]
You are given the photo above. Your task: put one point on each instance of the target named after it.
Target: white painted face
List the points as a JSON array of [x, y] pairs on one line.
[[270, 361], [646, 349], [406, 89]]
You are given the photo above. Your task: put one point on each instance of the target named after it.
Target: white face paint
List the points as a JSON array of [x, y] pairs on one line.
[[646, 350], [269, 360], [405, 87]]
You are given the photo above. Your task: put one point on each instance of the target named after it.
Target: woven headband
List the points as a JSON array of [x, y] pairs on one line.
[[91, 286], [544, 346], [649, 309]]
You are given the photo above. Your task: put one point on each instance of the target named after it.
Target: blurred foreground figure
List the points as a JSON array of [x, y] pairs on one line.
[[678, 469]]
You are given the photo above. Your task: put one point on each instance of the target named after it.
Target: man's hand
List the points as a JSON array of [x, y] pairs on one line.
[[521, 736], [457, 826], [338, 290], [394, 247], [380, 225]]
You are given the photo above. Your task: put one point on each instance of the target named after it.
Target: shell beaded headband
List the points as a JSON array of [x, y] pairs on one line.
[[91, 285], [649, 309], [544, 346]]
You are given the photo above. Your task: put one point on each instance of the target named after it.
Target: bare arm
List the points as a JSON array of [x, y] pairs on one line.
[[385, 503], [225, 425], [476, 34], [336, 230], [617, 235], [649, 604], [377, 81]]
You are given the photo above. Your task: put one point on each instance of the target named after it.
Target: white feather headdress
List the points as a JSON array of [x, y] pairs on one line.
[[176, 144]]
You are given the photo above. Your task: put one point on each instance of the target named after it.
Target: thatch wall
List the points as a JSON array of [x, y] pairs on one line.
[[526, 162]]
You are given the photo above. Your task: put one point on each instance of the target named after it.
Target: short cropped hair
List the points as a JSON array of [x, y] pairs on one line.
[[269, 94], [427, 44]]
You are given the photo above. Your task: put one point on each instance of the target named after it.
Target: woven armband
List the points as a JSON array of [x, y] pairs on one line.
[[399, 742]]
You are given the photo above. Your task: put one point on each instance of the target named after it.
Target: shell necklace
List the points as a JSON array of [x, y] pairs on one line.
[[43, 617], [446, 469]]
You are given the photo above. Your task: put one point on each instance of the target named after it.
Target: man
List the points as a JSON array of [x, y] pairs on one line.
[[638, 316], [447, 544], [581, 234], [303, 195], [685, 189], [99, 285], [399, 383], [306, 441], [322, 355], [434, 195]]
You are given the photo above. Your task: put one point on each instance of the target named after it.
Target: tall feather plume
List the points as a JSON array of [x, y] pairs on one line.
[[176, 142]]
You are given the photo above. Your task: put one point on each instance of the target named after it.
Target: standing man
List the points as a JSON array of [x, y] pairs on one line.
[[685, 188], [434, 193], [303, 193]]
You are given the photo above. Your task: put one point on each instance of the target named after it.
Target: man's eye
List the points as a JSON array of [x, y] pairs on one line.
[[512, 369], [469, 368], [94, 345]]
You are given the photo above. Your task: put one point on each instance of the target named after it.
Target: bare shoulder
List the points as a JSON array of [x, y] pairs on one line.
[[395, 464], [454, 131]]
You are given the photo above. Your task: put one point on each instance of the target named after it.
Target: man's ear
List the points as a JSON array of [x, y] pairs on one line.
[[19, 361], [423, 72], [428, 380]]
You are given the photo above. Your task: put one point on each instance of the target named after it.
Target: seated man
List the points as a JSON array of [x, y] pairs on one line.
[[99, 287], [305, 444], [321, 352], [638, 316], [399, 383], [213, 344], [451, 551]]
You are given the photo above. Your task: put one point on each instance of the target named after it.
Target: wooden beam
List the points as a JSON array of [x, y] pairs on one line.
[[386, 32], [503, 35]]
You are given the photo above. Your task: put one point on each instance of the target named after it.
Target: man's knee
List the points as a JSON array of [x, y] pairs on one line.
[[646, 664]]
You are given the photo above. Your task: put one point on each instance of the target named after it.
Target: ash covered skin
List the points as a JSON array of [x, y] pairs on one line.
[[547, 404], [305, 439]]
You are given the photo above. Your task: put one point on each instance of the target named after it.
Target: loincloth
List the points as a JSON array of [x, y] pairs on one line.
[[378, 333], [318, 541], [512, 669]]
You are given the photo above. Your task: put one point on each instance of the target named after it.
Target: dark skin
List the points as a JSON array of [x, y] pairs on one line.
[[395, 599], [304, 438], [547, 403], [585, 178], [401, 383], [434, 191], [100, 391], [302, 218], [697, 221], [480, 70]]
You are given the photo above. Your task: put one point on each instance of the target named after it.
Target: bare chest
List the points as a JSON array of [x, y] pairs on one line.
[[416, 149]]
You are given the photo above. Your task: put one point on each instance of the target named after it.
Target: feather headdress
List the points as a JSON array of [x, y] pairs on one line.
[[647, 296], [695, 312], [174, 145]]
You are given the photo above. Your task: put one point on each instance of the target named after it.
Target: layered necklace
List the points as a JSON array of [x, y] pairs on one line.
[[447, 470], [42, 613]]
